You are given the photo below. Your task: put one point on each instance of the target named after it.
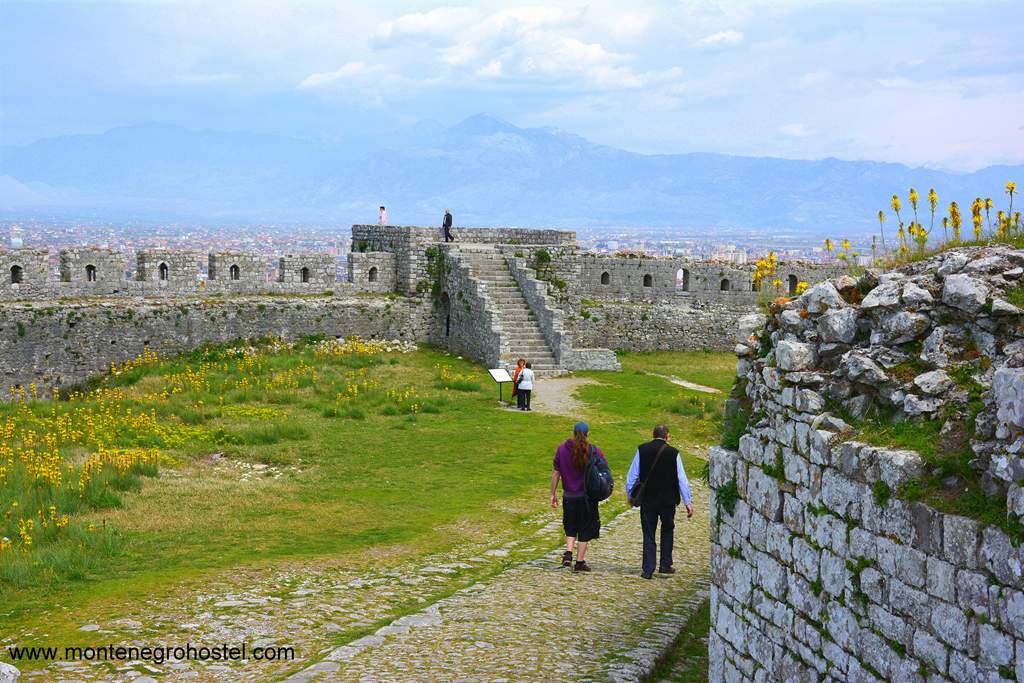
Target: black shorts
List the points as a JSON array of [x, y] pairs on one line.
[[581, 519]]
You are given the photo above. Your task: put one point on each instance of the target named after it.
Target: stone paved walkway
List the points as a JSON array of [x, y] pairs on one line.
[[537, 621], [501, 612]]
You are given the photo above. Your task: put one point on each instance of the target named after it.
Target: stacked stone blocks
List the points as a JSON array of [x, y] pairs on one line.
[[306, 271], [821, 571], [94, 270], [235, 271]]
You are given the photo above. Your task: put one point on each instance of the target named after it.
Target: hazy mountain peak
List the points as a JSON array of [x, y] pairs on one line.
[[488, 170], [483, 124]]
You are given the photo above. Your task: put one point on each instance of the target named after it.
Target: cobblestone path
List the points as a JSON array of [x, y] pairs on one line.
[[505, 612], [537, 621]]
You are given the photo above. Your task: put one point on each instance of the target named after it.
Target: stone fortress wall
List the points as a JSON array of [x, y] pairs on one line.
[[62, 345], [822, 570], [583, 304], [88, 272]]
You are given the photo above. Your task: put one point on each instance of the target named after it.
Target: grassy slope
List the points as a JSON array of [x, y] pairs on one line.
[[381, 489]]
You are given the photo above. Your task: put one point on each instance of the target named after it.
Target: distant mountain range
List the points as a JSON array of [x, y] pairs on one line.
[[488, 171]]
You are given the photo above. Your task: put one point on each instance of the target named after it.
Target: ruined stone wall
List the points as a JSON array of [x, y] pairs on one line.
[[464, 320], [168, 271], [824, 566], [373, 271], [24, 273], [307, 272], [93, 272], [410, 245], [570, 352], [63, 345], [659, 279], [236, 272], [693, 326]]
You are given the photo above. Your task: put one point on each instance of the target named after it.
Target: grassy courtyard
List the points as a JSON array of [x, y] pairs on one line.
[[168, 472]]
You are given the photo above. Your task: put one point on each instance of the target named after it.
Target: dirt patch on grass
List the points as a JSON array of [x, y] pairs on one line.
[[555, 395], [688, 385]]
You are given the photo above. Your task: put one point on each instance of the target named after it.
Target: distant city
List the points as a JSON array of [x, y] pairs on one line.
[[274, 239]]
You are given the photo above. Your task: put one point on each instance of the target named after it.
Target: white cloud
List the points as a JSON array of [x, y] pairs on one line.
[[895, 82], [490, 70], [541, 44], [721, 39], [813, 78], [796, 130], [346, 71], [436, 23]]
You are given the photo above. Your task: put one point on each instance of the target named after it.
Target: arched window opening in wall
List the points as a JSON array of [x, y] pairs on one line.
[[648, 281], [683, 280], [16, 274], [724, 285], [372, 276], [606, 279], [446, 311], [792, 284], [304, 275], [163, 271], [90, 273], [234, 272]]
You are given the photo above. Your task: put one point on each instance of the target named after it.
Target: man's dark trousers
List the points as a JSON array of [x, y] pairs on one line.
[[650, 515]]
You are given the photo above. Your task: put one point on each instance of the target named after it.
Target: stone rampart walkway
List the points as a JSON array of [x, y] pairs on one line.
[[536, 621], [499, 612]]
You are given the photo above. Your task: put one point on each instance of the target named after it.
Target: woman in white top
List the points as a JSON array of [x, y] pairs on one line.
[[526, 386]]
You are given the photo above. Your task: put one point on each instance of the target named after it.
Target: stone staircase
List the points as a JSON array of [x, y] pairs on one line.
[[518, 322]]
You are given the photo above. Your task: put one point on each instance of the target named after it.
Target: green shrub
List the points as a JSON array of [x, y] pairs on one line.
[[881, 492], [736, 425], [726, 496]]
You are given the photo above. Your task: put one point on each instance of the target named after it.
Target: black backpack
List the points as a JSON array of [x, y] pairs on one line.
[[597, 479]]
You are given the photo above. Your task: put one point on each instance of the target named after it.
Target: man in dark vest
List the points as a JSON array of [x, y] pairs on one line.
[[659, 469], [447, 225]]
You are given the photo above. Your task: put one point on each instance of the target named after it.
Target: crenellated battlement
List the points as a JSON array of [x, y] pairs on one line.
[[494, 294], [90, 271]]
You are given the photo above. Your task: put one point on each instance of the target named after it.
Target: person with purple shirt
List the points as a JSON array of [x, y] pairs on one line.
[[580, 517]]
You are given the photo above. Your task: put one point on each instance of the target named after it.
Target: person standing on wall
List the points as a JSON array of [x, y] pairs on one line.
[[520, 364], [525, 386], [447, 225], [383, 216], [656, 482]]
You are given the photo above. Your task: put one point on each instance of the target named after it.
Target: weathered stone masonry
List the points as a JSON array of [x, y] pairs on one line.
[[821, 572], [566, 315], [60, 346]]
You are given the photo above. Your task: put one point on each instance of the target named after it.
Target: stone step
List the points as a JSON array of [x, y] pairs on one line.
[[537, 346], [539, 351]]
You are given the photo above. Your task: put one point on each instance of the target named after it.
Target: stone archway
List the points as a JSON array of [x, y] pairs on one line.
[[445, 313], [683, 280]]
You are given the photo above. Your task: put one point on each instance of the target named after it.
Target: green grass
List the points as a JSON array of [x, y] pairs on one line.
[[361, 482], [947, 459], [687, 660], [710, 369], [1015, 295]]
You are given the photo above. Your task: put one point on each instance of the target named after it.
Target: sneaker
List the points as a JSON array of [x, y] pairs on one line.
[[581, 566], [566, 559], [647, 575], [666, 570]]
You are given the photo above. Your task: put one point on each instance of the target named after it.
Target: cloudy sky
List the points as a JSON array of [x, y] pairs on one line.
[[924, 83]]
